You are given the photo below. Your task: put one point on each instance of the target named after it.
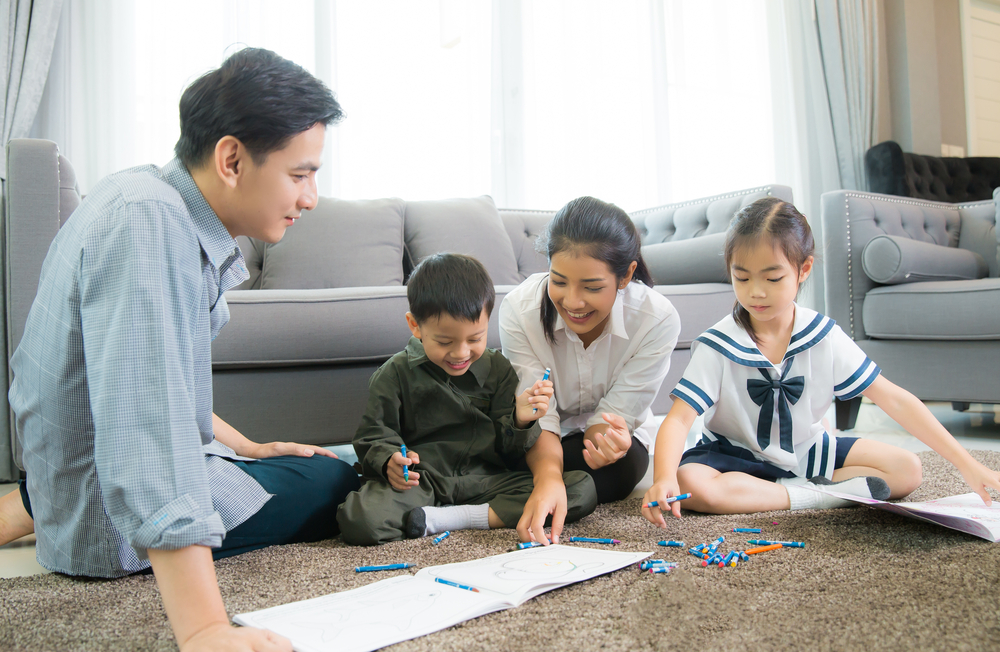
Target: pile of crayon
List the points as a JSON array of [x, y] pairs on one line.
[[710, 555]]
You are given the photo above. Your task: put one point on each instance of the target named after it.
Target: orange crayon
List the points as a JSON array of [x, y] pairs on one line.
[[754, 551]]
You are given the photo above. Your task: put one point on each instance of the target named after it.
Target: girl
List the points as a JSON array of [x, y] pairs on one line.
[[606, 335], [765, 376]]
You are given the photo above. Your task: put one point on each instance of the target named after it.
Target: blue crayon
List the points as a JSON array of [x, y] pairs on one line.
[[744, 556], [545, 377], [441, 538], [456, 584], [660, 569], [530, 544], [748, 530], [671, 544], [651, 563], [728, 558], [786, 544], [406, 468], [697, 553], [672, 499], [592, 540], [367, 569]]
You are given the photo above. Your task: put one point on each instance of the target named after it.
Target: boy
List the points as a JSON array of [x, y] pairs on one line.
[[127, 467], [452, 402]]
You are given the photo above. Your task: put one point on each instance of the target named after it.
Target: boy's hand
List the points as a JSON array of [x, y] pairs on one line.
[[609, 447], [979, 477], [394, 470], [547, 498], [659, 492], [533, 403]]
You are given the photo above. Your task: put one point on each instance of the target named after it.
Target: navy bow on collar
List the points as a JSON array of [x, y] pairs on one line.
[[762, 393]]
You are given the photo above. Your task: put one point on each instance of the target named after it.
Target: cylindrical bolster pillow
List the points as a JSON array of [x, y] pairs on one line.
[[891, 259], [695, 260]]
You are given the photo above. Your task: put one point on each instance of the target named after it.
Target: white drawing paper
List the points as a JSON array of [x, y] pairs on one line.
[[965, 513], [407, 606]]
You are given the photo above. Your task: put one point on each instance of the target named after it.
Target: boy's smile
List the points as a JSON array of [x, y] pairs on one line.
[[452, 344]]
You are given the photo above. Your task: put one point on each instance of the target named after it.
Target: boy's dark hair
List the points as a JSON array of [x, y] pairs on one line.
[[450, 283], [255, 96], [594, 228], [774, 221]]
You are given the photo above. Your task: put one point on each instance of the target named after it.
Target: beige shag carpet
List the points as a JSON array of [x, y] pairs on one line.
[[866, 580]]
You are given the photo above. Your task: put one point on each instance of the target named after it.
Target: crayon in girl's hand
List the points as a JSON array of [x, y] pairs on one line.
[[672, 499], [544, 377]]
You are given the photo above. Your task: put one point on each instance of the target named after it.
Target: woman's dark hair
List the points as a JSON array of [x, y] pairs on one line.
[[591, 227], [257, 97], [776, 222], [450, 283]]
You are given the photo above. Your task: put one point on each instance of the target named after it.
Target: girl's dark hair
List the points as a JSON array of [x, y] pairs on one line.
[[597, 229], [777, 222], [256, 96]]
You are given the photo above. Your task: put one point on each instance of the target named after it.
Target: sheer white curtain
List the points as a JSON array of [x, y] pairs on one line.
[[640, 102]]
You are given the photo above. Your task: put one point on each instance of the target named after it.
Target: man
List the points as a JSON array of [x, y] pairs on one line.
[[127, 467]]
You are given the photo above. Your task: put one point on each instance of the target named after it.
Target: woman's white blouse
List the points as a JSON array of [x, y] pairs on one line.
[[620, 372], [776, 411]]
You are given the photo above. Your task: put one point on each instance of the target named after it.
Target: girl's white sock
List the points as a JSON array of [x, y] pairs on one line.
[[448, 517], [800, 497]]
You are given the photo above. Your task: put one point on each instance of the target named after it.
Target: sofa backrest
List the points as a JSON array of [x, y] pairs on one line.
[[892, 171]]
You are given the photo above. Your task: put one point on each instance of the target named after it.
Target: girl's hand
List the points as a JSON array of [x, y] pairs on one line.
[[659, 492], [611, 446], [979, 477], [534, 398], [394, 470], [280, 448]]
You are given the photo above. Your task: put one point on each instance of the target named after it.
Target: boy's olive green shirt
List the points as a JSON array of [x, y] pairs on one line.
[[458, 425]]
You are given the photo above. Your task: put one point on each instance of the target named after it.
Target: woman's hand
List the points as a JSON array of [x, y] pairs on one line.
[[658, 493], [394, 470], [279, 448], [533, 403], [609, 447]]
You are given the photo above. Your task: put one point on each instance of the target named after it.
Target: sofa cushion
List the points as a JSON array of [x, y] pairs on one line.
[[695, 260], [891, 259], [941, 310], [700, 306], [338, 244], [463, 226]]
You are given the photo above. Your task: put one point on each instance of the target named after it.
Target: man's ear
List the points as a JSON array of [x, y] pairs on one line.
[[414, 326], [230, 160]]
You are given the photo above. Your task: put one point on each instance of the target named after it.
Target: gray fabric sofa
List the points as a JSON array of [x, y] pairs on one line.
[[939, 337], [324, 307]]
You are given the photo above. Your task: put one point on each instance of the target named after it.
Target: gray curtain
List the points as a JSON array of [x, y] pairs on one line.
[[848, 39], [27, 35]]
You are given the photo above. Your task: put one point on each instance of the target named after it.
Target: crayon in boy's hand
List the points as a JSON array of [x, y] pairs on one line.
[[544, 377], [406, 469]]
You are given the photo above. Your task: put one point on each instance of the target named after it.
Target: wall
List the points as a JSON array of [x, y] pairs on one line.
[[921, 86]]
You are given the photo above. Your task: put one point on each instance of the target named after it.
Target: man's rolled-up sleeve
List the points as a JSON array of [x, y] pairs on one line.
[[141, 293]]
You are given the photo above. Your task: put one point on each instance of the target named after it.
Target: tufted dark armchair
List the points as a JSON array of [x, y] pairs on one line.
[[891, 171]]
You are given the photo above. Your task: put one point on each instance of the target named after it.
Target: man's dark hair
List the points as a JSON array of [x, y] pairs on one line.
[[257, 97], [450, 283]]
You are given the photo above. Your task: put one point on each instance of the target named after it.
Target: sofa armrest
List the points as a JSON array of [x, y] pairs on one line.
[[850, 220]]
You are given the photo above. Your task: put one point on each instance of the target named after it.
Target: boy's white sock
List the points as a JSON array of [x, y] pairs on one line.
[[424, 521], [801, 498]]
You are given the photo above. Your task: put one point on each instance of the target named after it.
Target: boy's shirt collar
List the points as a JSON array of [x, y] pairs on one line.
[[416, 356]]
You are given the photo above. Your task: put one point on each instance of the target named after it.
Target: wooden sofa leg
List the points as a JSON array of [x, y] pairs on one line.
[[960, 406], [847, 413]]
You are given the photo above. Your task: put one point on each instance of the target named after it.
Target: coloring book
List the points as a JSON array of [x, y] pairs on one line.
[[406, 606], [966, 513]]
